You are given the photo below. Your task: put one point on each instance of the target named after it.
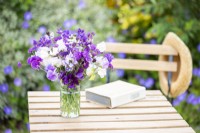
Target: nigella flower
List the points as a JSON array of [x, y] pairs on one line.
[[69, 23], [42, 29], [8, 70], [17, 82], [27, 16], [4, 87], [46, 87], [120, 73], [34, 61], [25, 25], [8, 131], [7, 110]]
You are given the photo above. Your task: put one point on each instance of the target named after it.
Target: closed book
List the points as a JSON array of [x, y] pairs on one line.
[[115, 93]]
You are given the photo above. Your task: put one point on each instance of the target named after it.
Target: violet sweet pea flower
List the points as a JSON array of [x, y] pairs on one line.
[[34, 61]]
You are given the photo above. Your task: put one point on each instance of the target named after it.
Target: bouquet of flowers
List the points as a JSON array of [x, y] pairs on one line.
[[69, 57]]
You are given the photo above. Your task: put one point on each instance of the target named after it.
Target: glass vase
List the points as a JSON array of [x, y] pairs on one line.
[[70, 102]]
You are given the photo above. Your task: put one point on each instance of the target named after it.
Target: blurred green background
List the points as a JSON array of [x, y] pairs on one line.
[[133, 21]]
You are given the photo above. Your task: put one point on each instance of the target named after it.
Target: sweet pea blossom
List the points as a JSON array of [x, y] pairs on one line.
[[69, 57]]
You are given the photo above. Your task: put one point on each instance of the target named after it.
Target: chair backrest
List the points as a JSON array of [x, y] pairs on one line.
[[172, 47]]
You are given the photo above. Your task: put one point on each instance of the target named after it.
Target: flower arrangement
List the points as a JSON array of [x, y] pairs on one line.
[[69, 57]]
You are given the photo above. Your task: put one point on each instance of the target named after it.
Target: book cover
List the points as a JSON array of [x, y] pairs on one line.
[[115, 93]]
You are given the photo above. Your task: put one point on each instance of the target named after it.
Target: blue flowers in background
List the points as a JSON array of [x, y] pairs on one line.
[[122, 55], [81, 4], [148, 83], [8, 131], [4, 87], [153, 41], [7, 110], [46, 87], [179, 99], [110, 39], [69, 23], [42, 29], [8, 70], [196, 72], [17, 82], [27, 18], [120, 73], [198, 47]]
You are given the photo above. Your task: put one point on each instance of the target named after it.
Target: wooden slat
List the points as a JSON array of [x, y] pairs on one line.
[[114, 118], [108, 125], [99, 112], [150, 65], [140, 49], [90, 105], [83, 99], [57, 93], [158, 130]]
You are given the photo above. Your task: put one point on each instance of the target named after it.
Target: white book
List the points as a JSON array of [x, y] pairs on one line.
[[115, 93]]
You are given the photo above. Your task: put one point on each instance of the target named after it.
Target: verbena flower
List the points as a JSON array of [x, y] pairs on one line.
[[8, 70], [69, 57]]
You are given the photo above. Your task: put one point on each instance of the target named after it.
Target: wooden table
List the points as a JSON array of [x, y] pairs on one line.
[[154, 114]]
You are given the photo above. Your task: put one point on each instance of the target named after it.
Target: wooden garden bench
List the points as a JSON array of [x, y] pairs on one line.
[[153, 114]]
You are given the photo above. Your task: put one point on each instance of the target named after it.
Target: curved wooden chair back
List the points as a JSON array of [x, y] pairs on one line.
[[174, 64]]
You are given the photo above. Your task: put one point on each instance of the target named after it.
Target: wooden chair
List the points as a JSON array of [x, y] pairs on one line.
[[174, 64]]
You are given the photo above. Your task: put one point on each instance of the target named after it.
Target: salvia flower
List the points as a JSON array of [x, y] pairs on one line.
[[70, 56]]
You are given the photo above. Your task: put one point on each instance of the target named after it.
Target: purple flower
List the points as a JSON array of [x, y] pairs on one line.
[[52, 75], [141, 81], [120, 73], [198, 48], [19, 64], [50, 67], [25, 25], [122, 55], [81, 4], [8, 131], [28, 126], [7, 110], [153, 41], [196, 72], [137, 77], [191, 98], [8, 70], [46, 87], [182, 96], [109, 58], [79, 74], [27, 16], [149, 82], [18, 82], [176, 102], [34, 61], [4, 87], [42, 29], [110, 39], [69, 23]]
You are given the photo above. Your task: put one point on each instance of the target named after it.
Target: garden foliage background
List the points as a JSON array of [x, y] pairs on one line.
[[136, 21]]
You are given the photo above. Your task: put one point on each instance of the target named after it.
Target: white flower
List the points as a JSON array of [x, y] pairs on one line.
[[51, 35], [54, 51], [42, 52], [91, 69], [101, 46], [52, 61], [102, 61], [101, 72], [61, 45]]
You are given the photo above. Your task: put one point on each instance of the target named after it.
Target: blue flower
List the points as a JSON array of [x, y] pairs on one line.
[[141, 81], [7, 110], [46, 87], [27, 16], [25, 25], [17, 82], [176, 102], [42, 29], [153, 41], [8, 131], [191, 98], [198, 48], [81, 4], [19, 64], [149, 82], [120, 73], [69, 23], [4, 88], [182, 96], [28, 126], [196, 72], [122, 55], [8, 70], [110, 39]]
